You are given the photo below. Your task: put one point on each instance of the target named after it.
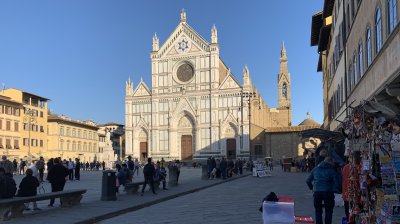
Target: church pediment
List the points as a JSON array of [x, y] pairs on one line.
[[230, 82], [184, 107], [142, 124], [183, 40], [141, 90]]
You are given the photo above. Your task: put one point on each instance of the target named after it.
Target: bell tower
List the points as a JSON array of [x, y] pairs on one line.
[[284, 101]]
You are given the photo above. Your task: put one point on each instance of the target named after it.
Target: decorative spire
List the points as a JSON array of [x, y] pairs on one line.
[[308, 115], [214, 35], [245, 71], [155, 42], [128, 88], [183, 16], [283, 52], [246, 76]]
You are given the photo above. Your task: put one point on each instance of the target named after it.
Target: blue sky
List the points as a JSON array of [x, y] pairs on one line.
[[80, 53]]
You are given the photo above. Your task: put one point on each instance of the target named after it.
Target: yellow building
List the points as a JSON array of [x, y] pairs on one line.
[[72, 139], [33, 118], [10, 126]]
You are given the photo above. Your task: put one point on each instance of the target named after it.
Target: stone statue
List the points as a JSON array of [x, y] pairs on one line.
[[108, 138]]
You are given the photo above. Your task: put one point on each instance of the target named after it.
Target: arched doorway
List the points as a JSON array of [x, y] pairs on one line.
[[143, 145], [231, 134], [185, 131]]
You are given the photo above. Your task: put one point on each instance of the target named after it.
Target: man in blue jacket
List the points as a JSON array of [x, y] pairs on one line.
[[324, 181]]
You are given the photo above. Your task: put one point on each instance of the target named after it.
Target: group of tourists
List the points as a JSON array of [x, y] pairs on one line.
[[31, 181], [224, 168], [151, 171]]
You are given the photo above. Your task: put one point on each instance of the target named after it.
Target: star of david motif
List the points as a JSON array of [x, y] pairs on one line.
[[183, 45]]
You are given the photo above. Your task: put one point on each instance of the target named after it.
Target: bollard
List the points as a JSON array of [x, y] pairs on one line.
[[173, 175], [108, 188], [204, 172]]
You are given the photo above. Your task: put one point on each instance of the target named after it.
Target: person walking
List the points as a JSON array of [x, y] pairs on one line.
[[15, 166], [131, 164], [163, 175], [77, 169], [71, 166], [223, 166], [324, 182], [57, 177], [40, 166], [21, 167], [240, 166], [28, 187], [137, 166], [103, 165], [50, 164], [148, 172]]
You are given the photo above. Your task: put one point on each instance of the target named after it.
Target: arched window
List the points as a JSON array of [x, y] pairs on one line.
[[349, 77], [368, 46], [360, 60], [355, 80], [342, 91], [378, 30], [338, 96], [392, 14], [284, 90]]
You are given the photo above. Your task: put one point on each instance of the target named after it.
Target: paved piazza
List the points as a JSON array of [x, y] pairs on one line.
[[235, 201]]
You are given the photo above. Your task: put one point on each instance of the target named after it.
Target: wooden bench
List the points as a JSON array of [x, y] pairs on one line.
[[14, 207], [133, 188]]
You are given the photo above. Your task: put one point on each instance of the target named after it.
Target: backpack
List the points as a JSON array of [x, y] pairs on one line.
[[131, 165], [8, 188], [147, 171]]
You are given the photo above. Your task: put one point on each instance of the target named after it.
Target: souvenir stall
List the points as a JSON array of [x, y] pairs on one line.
[[373, 146]]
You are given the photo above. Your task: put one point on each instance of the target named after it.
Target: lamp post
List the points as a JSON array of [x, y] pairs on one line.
[[30, 118], [247, 98]]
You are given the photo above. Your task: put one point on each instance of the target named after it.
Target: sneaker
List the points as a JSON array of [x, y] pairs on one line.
[[50, 205], [165, 188], [27, 209], [37, 209]]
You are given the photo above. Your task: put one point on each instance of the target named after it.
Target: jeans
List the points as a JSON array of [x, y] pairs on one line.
[[327, 200], [137, 170], [41, 174], [346, 208]]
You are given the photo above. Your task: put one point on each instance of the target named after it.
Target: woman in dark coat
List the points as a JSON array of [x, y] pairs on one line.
[[28, 187]]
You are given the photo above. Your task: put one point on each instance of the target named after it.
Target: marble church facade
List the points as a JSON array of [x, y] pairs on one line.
[[196, 107]]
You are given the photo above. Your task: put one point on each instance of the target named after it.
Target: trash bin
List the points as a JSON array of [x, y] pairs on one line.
[[204, 172], [108, 191], [173, 175]]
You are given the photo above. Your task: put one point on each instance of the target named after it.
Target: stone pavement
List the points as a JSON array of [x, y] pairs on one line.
[[92, 209], [232, 202], [193, 201]]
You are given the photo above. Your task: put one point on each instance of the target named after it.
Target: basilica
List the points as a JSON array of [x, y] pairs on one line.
[[196, 107]]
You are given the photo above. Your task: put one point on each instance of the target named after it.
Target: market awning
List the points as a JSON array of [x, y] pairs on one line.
[[373, 107], [322, 134]]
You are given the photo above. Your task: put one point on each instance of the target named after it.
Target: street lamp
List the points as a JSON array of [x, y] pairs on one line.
[[247, 98], [30, 118]]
